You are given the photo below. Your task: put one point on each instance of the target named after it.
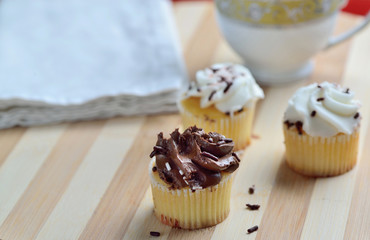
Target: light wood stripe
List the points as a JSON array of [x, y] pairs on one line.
[[123, 196], [200, 50], [43, 193], [91, 180], [18, 170], [8, 139], [188, 26], [179, 234]]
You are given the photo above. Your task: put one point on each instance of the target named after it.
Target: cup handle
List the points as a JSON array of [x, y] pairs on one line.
[[344, 36]]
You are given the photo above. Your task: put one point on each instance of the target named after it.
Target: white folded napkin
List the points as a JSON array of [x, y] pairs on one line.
[[67, 60]]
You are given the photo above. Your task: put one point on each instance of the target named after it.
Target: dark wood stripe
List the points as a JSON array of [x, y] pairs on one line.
[[291, 193], [8, 139], [358, 222], [122, 198], [50, 182]]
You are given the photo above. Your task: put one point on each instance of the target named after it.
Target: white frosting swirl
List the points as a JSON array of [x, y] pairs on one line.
[[228, 86], [325, 110]]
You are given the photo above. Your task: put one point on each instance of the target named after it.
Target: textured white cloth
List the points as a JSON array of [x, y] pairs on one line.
[[67, 60]]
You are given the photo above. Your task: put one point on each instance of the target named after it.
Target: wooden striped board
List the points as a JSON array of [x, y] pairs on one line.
[[89, 180]]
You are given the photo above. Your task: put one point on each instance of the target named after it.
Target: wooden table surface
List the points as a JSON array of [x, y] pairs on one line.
[[89, 180]]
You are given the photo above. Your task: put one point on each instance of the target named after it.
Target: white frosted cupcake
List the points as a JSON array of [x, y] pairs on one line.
[[222, 99], [321, 129]]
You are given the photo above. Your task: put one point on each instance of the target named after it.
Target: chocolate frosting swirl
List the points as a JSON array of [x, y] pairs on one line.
[[194, 158]]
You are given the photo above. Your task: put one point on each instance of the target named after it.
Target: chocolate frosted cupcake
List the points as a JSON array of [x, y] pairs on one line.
[[222, 99], [321, 129], [191, 177]]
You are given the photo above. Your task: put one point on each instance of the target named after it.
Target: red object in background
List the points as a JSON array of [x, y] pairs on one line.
[[360, 7]]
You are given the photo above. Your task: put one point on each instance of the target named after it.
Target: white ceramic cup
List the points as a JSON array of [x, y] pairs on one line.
[[278, 38]]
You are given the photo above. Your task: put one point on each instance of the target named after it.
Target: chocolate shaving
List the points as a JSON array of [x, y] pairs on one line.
[[320, 99], [209, 155], [155, 234], [228, 140], [313, 113], [251, 190], [236, 156], [299, 126], [252, 207], [252, 229], [211, 95], [221, 142], [356, 115]]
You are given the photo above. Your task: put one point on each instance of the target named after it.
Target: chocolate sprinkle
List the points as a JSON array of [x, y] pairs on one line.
[[320, 99], [198, 90], [347, 90], [251, 190], [155, 234], [214, 70], [228, 86], [154, 169], [252, 229], [240, 110], [313, 113], [227, 113], [211, 95], [299, 126], [356, 115], [252, 206], [318, 86], [288, 124]]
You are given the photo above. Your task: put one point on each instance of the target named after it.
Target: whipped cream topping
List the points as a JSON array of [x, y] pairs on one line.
[[324, 109], [230, 87]]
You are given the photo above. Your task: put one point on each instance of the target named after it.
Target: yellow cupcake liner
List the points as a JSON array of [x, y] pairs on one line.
[[237, 127], [183, 208], [320, 156]]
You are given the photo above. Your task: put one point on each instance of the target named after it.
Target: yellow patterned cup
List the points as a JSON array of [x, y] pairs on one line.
[[277, 38]]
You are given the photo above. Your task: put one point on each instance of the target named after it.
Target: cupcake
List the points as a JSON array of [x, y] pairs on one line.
[[321, 130], [191, 176], [222, 99]]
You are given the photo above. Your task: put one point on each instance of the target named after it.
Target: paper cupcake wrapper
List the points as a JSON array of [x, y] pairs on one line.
[[191, 210], [320, 156], [237, 127]]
